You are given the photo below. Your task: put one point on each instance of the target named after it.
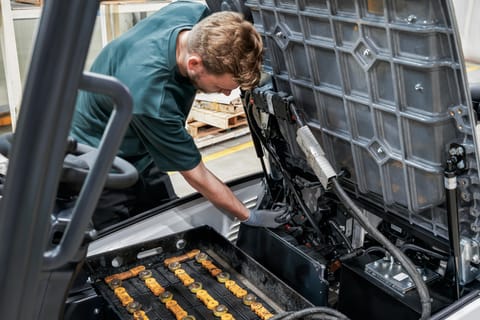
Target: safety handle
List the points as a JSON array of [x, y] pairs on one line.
[[95, 180]]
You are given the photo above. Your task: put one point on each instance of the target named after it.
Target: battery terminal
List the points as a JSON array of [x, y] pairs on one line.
[[174, 266], [201, 256], [222, 277], [133, 306], [194, 287]]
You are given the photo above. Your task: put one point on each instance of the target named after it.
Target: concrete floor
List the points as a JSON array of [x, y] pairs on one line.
[[473, 72]]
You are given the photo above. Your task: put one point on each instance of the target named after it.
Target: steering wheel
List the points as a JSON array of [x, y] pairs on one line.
[[79, 160]]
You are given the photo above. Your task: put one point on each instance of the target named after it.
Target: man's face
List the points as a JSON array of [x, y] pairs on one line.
[[210, 83]]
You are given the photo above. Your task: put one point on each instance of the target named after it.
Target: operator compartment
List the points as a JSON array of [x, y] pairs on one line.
[[196, 274]]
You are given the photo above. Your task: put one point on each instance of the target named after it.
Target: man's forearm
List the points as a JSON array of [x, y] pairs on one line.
[[215, 191]]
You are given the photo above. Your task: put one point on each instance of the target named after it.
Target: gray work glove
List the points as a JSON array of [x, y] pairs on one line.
[[264, 218]]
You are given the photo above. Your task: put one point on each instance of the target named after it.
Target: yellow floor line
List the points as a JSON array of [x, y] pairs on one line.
[[228, 151], [224, 153], [472, 67]]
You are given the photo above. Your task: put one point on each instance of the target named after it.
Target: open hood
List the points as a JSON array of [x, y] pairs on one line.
[[381, 89], [384, 90]]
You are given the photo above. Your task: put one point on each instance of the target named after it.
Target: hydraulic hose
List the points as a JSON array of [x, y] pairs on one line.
[[394, 251]]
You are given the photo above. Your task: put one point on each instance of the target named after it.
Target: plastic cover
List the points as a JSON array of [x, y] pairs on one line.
[[382, 86]]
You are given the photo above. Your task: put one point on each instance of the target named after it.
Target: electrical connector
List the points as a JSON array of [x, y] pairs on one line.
[[315, 156]]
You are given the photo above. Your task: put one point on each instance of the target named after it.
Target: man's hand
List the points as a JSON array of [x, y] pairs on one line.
[[264, 218]]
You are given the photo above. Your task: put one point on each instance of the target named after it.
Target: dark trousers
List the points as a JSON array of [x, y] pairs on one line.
[[153, 189]]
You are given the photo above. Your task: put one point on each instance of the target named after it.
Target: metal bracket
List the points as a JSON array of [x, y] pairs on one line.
[[470, 260]]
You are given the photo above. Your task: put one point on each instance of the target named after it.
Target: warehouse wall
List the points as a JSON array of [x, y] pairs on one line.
[[24, 34], [25, 31], [466, 12]]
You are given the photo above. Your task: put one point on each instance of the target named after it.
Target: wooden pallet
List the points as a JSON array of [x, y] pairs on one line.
[[5, 118], [231, 108], [208, 127], [207, 138], [198, 129], [216, 119], [34, 2]]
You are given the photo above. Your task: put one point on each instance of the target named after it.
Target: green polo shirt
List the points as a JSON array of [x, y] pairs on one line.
[[144, 59]]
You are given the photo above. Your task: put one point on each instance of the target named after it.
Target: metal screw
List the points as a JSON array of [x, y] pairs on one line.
[[380, 150], [474, 212], [96, 311], [279, 34], [181, 244], [465, 196], [117, 261], [366, 52], [476, 259], [418, 87], [474, 228], [411, 18]]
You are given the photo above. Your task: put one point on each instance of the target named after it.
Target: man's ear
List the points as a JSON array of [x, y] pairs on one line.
[[194, 63]]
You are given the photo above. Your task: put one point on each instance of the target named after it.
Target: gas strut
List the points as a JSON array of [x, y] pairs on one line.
[[454, 164]]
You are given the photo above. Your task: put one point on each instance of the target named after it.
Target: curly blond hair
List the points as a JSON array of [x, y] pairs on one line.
[[227, 43]]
